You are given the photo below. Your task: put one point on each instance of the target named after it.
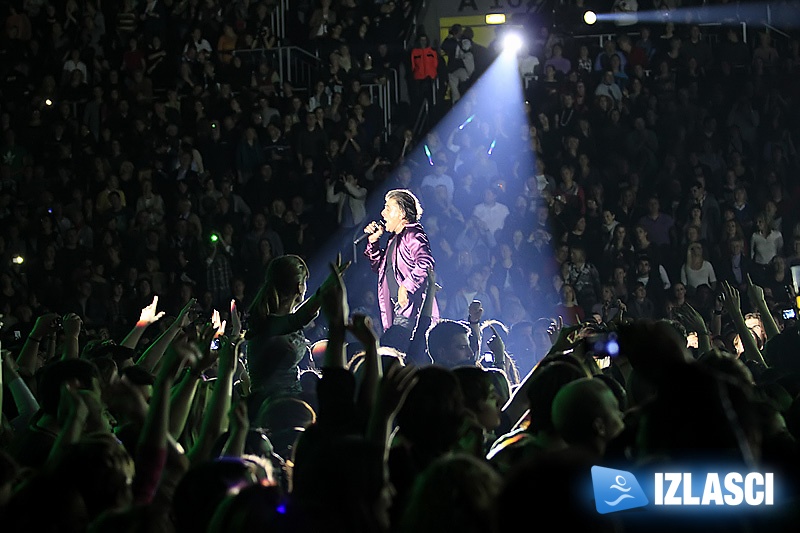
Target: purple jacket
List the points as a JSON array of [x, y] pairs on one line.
[[411, 259]]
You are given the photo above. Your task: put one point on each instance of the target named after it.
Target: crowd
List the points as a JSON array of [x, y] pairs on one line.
[[155, 166]]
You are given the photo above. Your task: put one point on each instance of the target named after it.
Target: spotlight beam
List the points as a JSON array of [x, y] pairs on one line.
[[751, 13]]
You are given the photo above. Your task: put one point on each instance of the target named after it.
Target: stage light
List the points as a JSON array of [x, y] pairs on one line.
[[496, 18], [512, 42], [48, 102], [590, 17]]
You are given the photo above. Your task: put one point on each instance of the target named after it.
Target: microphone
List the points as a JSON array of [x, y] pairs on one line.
[[366, 235]]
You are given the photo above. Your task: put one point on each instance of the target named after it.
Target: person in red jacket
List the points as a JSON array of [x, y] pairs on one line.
[[424, 69]]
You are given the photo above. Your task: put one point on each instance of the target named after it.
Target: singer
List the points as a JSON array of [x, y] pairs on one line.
[[402, 265]]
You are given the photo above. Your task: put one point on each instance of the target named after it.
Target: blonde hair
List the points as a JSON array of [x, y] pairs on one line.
[[284, 274]]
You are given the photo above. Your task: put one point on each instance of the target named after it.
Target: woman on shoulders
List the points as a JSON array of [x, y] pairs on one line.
[[276, 342]]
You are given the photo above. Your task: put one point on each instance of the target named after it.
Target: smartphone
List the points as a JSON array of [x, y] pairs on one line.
[[602, 344], [215, 344], [789, 314], [17, 335]]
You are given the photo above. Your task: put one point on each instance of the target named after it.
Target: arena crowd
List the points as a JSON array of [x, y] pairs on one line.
[[613, 274]]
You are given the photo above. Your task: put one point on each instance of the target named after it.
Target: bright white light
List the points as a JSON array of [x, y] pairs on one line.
[[589, 17], [512, 43]]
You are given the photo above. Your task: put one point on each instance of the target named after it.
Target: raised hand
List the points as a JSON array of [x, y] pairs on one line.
[[361, 328], [555, 327], [375, 231], [397, 382], [431, 281], [72, 325], [496, 344], [731, 300], [334, 278], [333, 293], [754, 293], [402, 296], [691, 319], [183, 317], [45, 325], [205, 334], [236, 321], [149, 315], [475, 312], [219, 326], [228, 355]]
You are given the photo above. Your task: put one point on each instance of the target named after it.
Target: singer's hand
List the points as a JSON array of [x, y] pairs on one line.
[[402, 296], [375, 231]]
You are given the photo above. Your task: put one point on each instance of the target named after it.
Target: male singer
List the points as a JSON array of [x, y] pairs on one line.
[[402, 265]]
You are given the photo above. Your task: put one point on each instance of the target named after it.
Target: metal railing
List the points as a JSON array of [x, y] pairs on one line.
[[780, 32], [422, 118], [602, 38], [278, 19], [411, 31]]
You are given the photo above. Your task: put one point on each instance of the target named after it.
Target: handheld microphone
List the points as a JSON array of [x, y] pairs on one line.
[[381, 223]]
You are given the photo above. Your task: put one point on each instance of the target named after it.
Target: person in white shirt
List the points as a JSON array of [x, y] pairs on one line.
[[200, 44], [609, 88], [431, 181], [350, 198], [74, 63], [697, 271], [766, 242], [491, 212]]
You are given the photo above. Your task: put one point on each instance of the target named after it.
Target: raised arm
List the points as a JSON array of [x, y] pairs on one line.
[[756, 296], [392, 393], [23, 398], [361, 328], [308, 310], [693, 321], [148, 316], [214, 419], [733, 307], [151, 357], [72, 331], [183, 394], [239, 425], [500, 357], [474, 317], [44, 327], [416, 348], [373, 251], [151, 451], [76, 415], [336, 310]]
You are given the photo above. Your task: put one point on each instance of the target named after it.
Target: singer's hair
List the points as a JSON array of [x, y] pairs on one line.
[[407, 202]]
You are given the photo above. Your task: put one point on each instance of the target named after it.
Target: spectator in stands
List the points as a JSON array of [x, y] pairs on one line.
[[696, 270], [765, 243]]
